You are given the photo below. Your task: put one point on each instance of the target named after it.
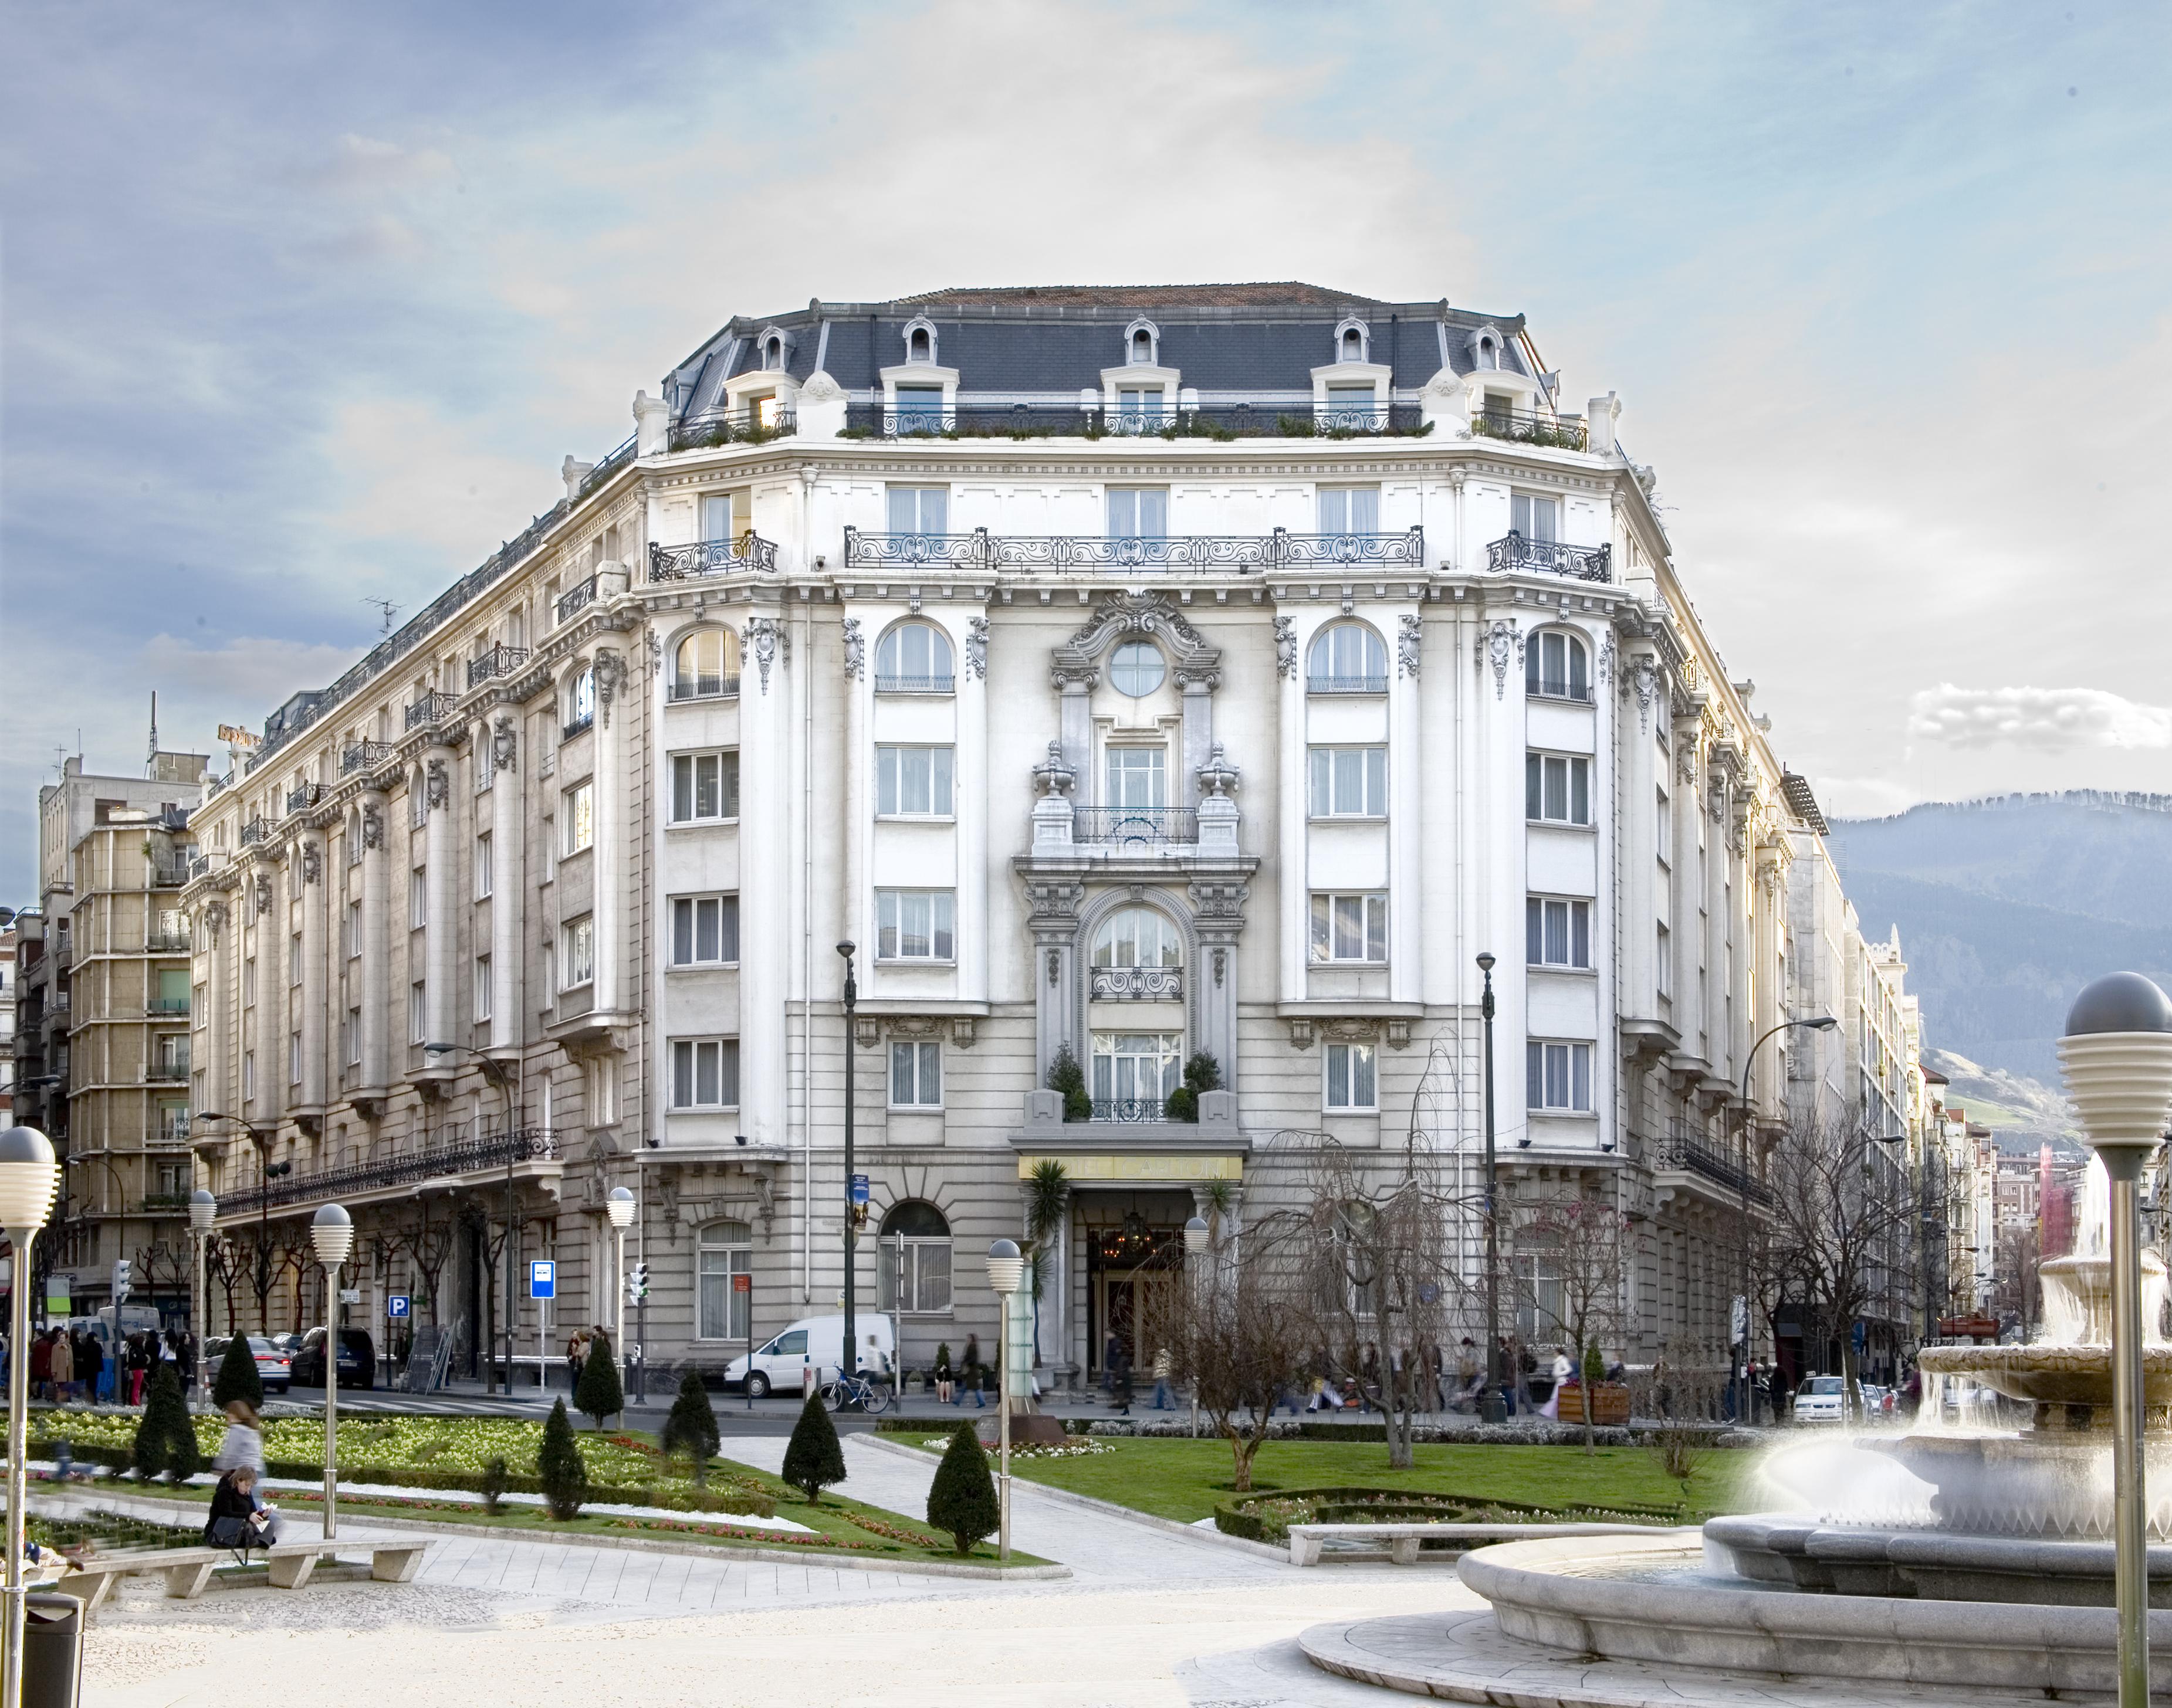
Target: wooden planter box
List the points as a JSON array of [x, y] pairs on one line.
[[1609, 1403]]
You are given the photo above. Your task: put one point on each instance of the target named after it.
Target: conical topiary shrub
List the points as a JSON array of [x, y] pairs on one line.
[[691, 1427], [166, 1440], [237, 1378], [1066, 1077], [560, 1467], [813, 1459], [962, 1499], [598, 1392]]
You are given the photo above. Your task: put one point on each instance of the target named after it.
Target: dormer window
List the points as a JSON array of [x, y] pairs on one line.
[[1485, 348], [1353, 345], [772, 354], [920, 341], [1142, 347], [1142, 344], [1350, 338], [918, 351]]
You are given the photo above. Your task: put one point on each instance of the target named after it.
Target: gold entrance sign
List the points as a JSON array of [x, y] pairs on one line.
[[1150, 1168]]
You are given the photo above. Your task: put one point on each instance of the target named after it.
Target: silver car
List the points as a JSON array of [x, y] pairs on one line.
[[1822, 1399]]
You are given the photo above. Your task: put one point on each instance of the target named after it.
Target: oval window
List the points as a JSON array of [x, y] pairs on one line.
[[1136, 668]]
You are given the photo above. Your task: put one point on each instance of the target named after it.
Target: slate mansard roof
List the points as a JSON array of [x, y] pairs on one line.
[[1045, 343]]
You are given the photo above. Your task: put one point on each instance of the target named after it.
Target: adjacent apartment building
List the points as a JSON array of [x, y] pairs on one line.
[[1143, 682]]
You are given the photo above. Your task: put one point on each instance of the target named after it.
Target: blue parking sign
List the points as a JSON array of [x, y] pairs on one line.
[[396, 1305], [542, 1278]]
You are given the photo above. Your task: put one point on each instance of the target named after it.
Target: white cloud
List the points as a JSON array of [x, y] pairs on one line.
[[408, 473], [250, 673], [2049, 719], [1862, 797]]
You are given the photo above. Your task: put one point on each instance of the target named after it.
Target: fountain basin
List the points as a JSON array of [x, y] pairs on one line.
[[2050, 1375], [1795, 1551], [2048, 1486]]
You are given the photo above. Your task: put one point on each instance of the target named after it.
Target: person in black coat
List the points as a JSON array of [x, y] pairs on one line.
[[233, 1521]]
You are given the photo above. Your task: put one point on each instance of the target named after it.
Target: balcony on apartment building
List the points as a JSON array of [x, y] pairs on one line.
[[1127, 555], [166, 1067], [1091, 417], [166, 1008], [526, 1153], [500, 660], [169, 869], [670, 563], [1517, 555], [363, 755], [752, 424], [300, 800], [1688, 1152], [1566, 432], [253, 830], [166, 943], [432, 709]]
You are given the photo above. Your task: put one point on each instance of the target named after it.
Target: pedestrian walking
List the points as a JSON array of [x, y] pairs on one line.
[[972, 1372], [63, 1368], [1120, 1376], [945, 1383], [1162, 1367], [41, 1366], [1561, 1370], [577, 1355], [242, 1443]]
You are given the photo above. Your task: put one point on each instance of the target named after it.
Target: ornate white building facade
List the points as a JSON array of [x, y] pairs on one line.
[[1133, 676]]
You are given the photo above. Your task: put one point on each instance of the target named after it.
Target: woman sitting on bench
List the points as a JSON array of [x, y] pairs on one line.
[[238, 1519]]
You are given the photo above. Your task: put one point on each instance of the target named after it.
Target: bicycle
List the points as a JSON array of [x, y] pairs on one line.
[[872, 1397]]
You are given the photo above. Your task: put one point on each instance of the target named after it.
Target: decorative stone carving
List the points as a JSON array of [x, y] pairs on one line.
[[313, 863], [215, 916], [504, 744], [261, 889], [1409, 644], [1219, 900], [1052, 777], [1502, 640], [1644, 678], [1220, 959], [1606, 657], [611, 676], [372, 825], [1399, 1034], [1054, 901], [856, 649], [1125, 613], [1686, 760], [976, 647], [1285, 647], [820, 387], [437, 784], [1218, 777], [1055, 967], [1300, 1034], [767, 635]]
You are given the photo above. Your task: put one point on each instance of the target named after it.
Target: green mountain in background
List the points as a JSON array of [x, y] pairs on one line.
[[2006, 908]]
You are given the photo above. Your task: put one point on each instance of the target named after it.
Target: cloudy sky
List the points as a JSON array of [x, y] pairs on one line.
[[303, 305]]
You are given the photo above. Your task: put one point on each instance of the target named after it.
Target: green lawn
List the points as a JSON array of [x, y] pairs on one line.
[[1185, 1480]]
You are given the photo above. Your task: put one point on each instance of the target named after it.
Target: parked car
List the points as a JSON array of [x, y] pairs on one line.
[[358, 1359], [816, 1342], [274, 1368], [1822, 1399]]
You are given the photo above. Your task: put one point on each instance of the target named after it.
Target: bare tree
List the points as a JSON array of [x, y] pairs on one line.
[[296, 1257], [1843, 1209], [224, 1261], [1580, 1241], [429, 1246], [2016, 1283]]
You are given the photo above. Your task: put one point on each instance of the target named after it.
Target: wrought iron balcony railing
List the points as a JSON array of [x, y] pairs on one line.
[[306, 797], [749, 551], [1560, 688], [166, 1070], [1346, 684], [1566, 432], [967, 552], [916, 685], [706, 688], [1138, 984], [434, 707], [1348, 550], [1550, 557], [1070, 553], [500, 660], [612, 462], [253, 831], [580, 593], [1697, 1158], [1295, 419], [491, 1152], [734, 426], [1073, 553], [1130, 1109], [1134, 826], [361, 756]]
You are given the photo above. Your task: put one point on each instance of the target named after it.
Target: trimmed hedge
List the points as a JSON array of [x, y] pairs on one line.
[[1360, 1506]]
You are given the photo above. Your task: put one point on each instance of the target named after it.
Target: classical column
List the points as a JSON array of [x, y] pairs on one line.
[[1198, 700], [1076, 727], [441, 924], [972, 786], [765, 888], [611, 832], [1290, 886], [377, 1016], [508, 884], [223, 1041], [1052, 915], [316, 966], [1405, 815]]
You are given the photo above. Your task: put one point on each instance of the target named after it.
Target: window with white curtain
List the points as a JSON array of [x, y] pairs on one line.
[[705, 931], [914, 658], [916, 1073], [706, 664], [1557, 1077], [921, 509], [705, 787], [1349, 783], [1139, 513], [1556, 932], [1350, 509], [1535, 518], [913, 782], [1351, 1082], [723, 1249], [915, 925], [1557, 788], [1134, 1073], [1138, 777], [705, 1073], [1557, 666], [1139, 937], [913, 1260], [1349, 927]]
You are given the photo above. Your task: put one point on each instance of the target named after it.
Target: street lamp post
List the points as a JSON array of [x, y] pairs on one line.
[[619, 1206], [848, 1357], [203, 1211], [1740, 1374], [1196, 1237], [1006, 1271], [2116, 1058], [29, 1178], [332, 1231], [1494, 1407]]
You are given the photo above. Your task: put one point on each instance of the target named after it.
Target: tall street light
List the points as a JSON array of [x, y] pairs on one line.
[[504, 1078], [619, 1206], [1494, 1406], [29, 1178], [1006, 1272], [203, 1211], [849, 1357], [332, 1231], [1821, 1023], [1196, 1237], [2116, 1059]]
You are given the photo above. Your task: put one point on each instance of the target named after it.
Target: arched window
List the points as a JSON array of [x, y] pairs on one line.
[[581, 703], [920, 341], [1557, 666], [1139, 937], [914, 1260], [1143, 346], [706, 663], [919, 350], [1347, 659], [725, 1249], [418, 800], [1353, 345], [913, 659], [773, 353]]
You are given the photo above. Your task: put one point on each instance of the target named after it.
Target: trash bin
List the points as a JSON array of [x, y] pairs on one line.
[[52, 1651]]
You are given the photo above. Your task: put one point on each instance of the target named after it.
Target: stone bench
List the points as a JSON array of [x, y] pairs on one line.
[[1403, 1540], [188, 1571]]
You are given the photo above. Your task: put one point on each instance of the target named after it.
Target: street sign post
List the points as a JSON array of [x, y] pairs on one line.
[[350, 1296], [542, 1287], [396, 1305], [543, 1278]]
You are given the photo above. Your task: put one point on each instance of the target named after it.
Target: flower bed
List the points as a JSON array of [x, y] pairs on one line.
[[1266, 1518], [1077, 1447]]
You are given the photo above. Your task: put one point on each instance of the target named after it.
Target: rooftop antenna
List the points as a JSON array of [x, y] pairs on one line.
[[154, 753], [388, 609]]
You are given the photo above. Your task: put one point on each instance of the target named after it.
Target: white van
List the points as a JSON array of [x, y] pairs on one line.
[[816, 1342]]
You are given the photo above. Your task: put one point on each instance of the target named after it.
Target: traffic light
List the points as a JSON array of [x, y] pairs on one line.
[[636, 1282], [121, 1278]]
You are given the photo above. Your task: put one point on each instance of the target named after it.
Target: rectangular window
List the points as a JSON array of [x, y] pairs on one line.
[[705, 787], [1349, 928], [418, 899], [483, 875], [353, 929], [1557, 788], [705, 931], [1557, 933], [248, 1074], [1350, 1079], [1350, 408], [418, 1014], [248, 981], [1665, 829], [915, 1075], [920, 410], [1134, 1073], [913, 1276], [1349, 783], [1535, 518], [914, 925], [1140, 407], [1558, 1077], [1139, 513], [579, 817], [482, 987], [577, 961], [705, 1073], [920, 509], [726, 515], [1349, 509], [1664, 966], [913, 782], [1138, 777], [294, 958], [353, 1040], [293, 1058]]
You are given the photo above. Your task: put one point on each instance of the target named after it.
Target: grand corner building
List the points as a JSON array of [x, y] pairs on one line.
[[1133, 675]]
